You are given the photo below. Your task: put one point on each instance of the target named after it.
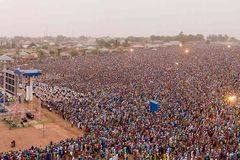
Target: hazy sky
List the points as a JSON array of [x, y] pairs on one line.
[[118, 17]]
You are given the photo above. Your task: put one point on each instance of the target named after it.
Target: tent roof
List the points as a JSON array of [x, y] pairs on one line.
[[5, 58], [29, 73]]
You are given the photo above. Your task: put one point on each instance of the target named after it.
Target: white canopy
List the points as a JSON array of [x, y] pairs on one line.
[[5, 58]]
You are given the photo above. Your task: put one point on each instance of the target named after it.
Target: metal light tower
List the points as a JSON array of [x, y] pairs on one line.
[[5, 59]]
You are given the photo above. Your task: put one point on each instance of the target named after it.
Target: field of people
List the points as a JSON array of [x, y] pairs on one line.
[[107, 96]]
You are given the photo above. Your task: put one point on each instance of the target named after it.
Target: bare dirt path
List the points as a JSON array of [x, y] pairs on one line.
[[55, 129]]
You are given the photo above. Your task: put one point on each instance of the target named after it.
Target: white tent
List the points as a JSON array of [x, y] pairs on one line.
[[5, 58]]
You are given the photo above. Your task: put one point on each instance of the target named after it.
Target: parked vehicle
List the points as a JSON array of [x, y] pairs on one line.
[[24, 120], [2, 109], [29, 115]]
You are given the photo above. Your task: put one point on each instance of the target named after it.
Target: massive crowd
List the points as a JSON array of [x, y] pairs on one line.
[[107, 96]]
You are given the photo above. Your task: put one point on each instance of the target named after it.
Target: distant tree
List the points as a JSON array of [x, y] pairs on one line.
[[44, 47], [136, 39], [41, 55], [52, 53], [233, 39], [116, 43], [95, 51], [180, 37], [126, 43], [82, 38], [199, 37], [84, 52], [60, 38], [208, 41], [219, 37], [74, 53], [103, 43], [13, 44], [59, 51], [222, 38], [212, 37], [155, 38]]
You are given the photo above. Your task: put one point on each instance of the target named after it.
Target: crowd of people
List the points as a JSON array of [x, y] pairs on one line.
[[107, 96]]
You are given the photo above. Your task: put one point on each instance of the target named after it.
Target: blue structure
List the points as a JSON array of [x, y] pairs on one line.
[[153, 106], [28, 73], [1, 97]]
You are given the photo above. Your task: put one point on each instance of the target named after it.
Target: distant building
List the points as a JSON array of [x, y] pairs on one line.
[[30, 48], [103, 50], [23, 54], [52, 44], [45, 52], [31, 45], [26, 55], [151, 45], [138, 46], [172, 43]]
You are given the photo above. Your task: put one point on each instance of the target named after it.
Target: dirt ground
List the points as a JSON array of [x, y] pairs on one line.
[[55, 129]]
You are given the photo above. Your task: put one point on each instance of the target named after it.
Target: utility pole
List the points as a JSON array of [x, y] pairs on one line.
[[43, 128], [43, 123], [4, 81]]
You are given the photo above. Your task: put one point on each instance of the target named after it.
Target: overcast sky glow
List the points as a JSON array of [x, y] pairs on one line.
[[118, 17]]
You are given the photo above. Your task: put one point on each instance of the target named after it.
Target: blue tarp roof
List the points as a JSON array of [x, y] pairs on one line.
[[29, 73], [152, 101]]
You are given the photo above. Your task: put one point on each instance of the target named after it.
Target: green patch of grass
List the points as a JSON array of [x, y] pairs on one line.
[[13, 125]]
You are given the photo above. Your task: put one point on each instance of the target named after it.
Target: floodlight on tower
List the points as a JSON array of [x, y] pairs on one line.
[[186, 51], [231, 99]]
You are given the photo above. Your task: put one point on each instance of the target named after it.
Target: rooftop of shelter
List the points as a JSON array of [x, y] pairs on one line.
[[28, 73]]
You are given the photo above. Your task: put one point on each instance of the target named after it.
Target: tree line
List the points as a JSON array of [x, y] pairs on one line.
[[185, 38]]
